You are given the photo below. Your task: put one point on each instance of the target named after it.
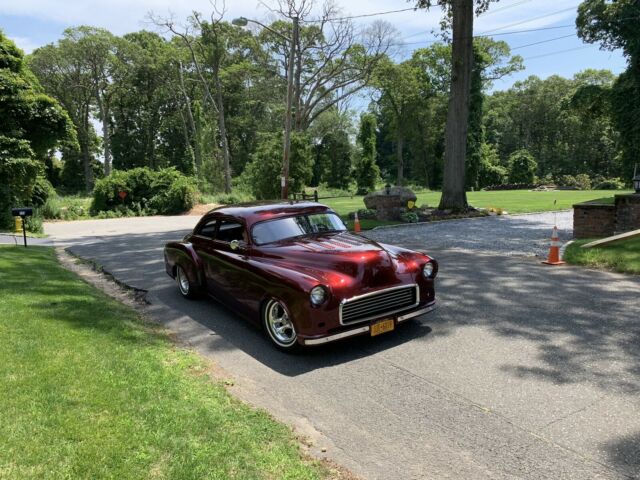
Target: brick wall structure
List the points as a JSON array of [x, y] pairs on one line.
[[591, 220], [627, 213]]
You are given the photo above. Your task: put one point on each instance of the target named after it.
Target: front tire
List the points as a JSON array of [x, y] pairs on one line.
[[279, 326], [186, 288]]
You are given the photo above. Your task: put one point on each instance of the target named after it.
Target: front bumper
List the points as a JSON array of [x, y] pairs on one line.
[[366, 328]]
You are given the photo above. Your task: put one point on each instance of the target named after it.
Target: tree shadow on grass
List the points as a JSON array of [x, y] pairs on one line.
[[51, 292]]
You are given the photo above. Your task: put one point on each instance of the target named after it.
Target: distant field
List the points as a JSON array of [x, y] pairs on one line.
[[513, 201]]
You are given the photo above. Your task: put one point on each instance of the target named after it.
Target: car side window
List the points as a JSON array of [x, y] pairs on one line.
[[208, 229], [230, 230]]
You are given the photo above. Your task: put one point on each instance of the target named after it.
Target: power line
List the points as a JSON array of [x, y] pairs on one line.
[[543, 41], [509, 25], [375, 14], [506, 7], [559, 52], [523, 31], [494, 35], [530, 20]]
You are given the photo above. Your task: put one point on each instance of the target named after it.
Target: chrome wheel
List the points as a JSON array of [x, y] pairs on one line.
[[183, 282], [279, 325]]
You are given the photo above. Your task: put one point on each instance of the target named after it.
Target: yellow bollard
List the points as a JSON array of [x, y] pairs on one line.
[[18, 224]]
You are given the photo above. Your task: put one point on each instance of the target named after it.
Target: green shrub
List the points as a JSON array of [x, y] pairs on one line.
[[42, 191], [409, 217], [180, 196], [52, 210], [236, 196], [610, 184], [581, 181], [522, 167], [165, 192]]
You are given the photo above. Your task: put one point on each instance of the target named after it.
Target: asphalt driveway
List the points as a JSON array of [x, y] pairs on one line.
[[524, 371]]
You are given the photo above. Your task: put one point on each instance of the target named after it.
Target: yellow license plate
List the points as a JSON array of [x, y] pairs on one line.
[[382, 326]]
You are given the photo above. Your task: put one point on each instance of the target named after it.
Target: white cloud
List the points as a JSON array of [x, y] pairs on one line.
[[25, 43]]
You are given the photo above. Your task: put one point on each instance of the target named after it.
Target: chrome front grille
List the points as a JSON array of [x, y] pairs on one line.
[[378, 304]]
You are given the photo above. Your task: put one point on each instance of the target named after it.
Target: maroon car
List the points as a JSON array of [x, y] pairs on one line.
[[296, 270]]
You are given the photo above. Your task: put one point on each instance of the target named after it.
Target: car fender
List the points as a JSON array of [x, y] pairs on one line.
[[183, 255], [287, 285]]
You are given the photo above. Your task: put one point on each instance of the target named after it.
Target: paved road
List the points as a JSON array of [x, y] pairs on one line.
[[524, 371]]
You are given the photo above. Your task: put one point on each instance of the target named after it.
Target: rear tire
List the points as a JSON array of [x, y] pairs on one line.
[[186, 288], [279, 327]]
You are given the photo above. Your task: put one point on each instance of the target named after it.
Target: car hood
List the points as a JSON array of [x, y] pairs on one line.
[[343, 259]]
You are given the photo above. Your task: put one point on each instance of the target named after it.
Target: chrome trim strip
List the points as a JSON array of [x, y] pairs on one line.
[[358, 297], [337, 336], [429, 308]]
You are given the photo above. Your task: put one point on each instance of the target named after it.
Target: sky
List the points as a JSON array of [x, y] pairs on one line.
[[557, 49]]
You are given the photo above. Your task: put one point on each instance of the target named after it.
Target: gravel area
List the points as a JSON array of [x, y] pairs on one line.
[[513, 235]]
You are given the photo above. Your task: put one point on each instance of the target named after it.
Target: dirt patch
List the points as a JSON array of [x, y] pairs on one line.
[[202, 208]]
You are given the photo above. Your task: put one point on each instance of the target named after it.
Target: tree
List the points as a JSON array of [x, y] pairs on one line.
[[263, 173], [367, 171], [461, 13], [333, 60], [491, 61], [80, 72], [206, 41], [564, 123], [615, 25], [522, 167], [33, 125], [404, 89]]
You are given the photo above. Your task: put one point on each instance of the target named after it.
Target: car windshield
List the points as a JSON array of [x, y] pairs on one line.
[[289, 227]]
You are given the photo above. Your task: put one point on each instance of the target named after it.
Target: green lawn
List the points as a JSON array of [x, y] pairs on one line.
[[87, 390], [513, 201], [622, 257]]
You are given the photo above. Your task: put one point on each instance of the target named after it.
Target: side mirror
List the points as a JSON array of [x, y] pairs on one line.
[[237, 245]]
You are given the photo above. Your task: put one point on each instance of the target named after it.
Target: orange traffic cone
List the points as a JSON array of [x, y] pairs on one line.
[[554, 249], [356, 223]]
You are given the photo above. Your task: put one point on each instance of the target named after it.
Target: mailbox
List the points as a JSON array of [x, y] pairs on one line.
[[22, 212]]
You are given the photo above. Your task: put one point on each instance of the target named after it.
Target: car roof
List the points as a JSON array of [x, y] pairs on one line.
[[258, 211]]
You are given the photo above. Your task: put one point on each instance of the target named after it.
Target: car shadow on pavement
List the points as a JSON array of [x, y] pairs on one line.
[[229, 331], [136, 260]]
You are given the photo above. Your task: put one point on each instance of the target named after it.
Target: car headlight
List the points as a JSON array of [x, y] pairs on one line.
[[318, 295], [427, 270]]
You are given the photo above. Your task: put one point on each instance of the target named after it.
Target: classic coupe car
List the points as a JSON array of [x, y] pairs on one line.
[[296, 270]]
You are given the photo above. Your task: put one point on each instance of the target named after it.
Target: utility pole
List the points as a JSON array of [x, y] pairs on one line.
[[284, 180]]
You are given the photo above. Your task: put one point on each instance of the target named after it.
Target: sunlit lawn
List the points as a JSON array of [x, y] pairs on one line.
[[621, 257], [513, 201], [87, 390]]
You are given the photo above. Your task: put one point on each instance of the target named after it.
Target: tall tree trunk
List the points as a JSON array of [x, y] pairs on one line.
[[298, 93], [400, 148], [103, 107], [195, 139], [223, 134], [84, 150], [453, 191]]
